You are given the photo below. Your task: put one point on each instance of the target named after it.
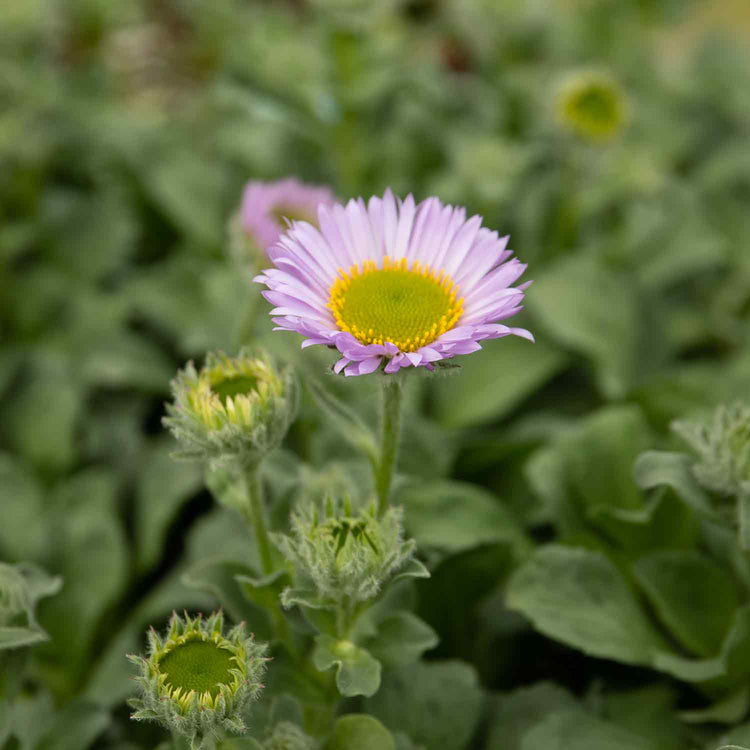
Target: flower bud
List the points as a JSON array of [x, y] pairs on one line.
[[196, 681], [340, 555], [234, 408], [723, 447], [591, 105]]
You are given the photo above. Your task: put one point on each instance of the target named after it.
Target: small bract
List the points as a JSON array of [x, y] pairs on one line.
[[233, 408], [196, 680]]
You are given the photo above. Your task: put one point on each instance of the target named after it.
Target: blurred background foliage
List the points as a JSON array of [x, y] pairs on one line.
[[127, 131]]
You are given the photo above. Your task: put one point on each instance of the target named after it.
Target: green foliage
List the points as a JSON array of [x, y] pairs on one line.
[[576, 544]]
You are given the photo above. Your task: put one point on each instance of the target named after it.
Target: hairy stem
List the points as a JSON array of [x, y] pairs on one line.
[[390, 424], [255, 516]]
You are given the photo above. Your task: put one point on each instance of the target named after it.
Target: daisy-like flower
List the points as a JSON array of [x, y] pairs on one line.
[[393, 282], [266, 207]]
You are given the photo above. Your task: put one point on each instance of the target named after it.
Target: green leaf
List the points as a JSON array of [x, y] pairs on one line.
[[401, 639], [519, 711], [163, 485], [359, 731], [15, 637], [222, 579], [594, 311], [692, 596], [22, 534], [94, 565], [575, 728], [494, 381], [579, 597], [454, 516], [436, 704], [659, 468], [76, 727], [357, 672]]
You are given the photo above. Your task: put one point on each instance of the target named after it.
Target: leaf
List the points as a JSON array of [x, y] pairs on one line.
[[578, 597], [22, 535], [454, 516], [692, 596], [93, 561], [494, 381], [575, 728], [401, 639], [221, 579], [163, 485], [359, 731], [357, 672], [349, 424], [15, 637], [436, 704], [519, 711], [659, 468], [76, 727], [584, 306]]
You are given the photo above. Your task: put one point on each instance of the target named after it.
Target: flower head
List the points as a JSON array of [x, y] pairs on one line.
[[592, 105], [393, 282], [196, 680], [338, 554], [288, 736], [723, 447], [233, 408], [267, 206]]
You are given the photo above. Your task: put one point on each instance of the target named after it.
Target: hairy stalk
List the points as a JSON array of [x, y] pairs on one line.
[[255, 517], [390, 424]]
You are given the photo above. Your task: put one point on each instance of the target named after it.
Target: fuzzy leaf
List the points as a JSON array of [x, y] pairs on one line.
[[402, 639], [359, 731], [357, 672], [578, 596]]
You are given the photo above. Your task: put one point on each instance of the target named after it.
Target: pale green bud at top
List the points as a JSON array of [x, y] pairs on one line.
[[197, 681], [722, 444], [340, 555], [592, 105], [233, 408]]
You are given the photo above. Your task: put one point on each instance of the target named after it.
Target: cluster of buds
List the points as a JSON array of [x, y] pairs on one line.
[[233, 408], [340, 555], [723, 448], [197, 681], [591, 105]]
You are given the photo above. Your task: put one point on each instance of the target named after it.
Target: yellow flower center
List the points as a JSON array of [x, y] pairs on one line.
[[410, 307]]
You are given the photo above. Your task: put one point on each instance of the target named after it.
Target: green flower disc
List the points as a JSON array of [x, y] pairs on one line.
[[198, 665]]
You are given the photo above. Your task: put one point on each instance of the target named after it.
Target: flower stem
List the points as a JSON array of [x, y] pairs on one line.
[[255, 516], [390, 424]]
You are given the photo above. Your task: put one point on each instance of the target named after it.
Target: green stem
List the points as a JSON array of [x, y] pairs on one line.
[[255, 516], [390, 424]]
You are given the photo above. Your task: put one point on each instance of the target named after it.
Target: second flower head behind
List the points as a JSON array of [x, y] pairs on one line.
[[394, 283]]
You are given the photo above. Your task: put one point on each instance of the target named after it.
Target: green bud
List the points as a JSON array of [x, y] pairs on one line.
[[722, 444], [196, 681], [591, 105], [234, 408], [340, 555]]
